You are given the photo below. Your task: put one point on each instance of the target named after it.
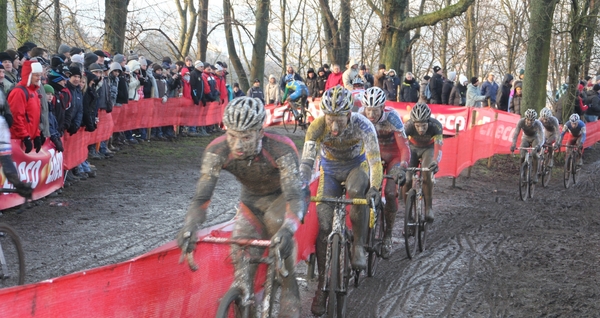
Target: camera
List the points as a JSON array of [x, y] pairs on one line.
[[130, 52]]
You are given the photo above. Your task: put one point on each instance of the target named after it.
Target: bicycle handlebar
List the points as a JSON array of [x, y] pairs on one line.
[[339, 200], [418, 169]]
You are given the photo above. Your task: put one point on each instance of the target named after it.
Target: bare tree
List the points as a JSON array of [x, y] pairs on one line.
[[337, 33], [3, 24], [115, 22], [202, 35], [187, 13], [231, 49]]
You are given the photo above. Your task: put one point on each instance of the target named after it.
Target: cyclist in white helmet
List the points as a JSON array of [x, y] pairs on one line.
[[346, 143], [425, 137], [577, 129], [533, 136], [551, 132], [272, 198], [394, 150]]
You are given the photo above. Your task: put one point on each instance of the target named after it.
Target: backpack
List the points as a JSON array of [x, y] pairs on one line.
[[214, 94], [427, 92]]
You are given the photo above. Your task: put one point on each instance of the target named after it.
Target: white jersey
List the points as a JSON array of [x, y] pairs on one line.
[[5, 148]]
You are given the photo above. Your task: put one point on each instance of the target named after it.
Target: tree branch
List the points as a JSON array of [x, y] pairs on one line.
[[432, 18]]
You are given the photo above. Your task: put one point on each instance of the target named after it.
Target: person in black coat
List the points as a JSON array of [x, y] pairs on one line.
[[312, 84], [410, 89], [321, 81], [390, 85], [436, 84], [447, 88], [503, 96]]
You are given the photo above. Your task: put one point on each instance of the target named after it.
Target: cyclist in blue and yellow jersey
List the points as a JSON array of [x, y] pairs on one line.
[[577, 129], [425, 137], [533, 136], [394, 150], [295, 91], [347, 145], [551, 132]]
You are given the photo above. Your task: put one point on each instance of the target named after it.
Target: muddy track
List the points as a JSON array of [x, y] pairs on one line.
[[488, 254]]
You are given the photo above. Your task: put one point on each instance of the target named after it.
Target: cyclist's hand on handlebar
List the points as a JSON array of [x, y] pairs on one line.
[[24, 189], [512, 148], [374, 194], [399, 175], [433, 166], [186, 239], [580, 148], [284, 240], [538, 148]]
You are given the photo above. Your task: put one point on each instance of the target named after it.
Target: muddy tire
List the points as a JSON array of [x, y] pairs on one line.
[[12, 269], [334, 276], [376, 237], [524, 179], [546, 172], [567, 171], [411, 230], [289, 121], [231, 305], [422, 224]]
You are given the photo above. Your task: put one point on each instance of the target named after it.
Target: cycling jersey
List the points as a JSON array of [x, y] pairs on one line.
[[577, 130], [357, 143], [551, 129], [433, 137], [5, 147], [297, 88], [534, 134], [391, 137]]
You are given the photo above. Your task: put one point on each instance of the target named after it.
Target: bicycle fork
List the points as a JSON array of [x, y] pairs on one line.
[[337, 229]]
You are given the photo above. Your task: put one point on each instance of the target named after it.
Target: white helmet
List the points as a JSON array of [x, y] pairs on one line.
[[545, 113], [530, 114], [373, 97], [244, 113], [574, 118]]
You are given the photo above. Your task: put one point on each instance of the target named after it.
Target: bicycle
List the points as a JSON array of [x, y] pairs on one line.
[[545, 169], [338, 269], [12, 257], [239, 300], [571, 170], [292, 118], [415, 226], [526, 185], [375, 234]]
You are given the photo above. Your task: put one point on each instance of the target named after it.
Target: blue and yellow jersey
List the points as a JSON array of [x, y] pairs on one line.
[[296, 89]]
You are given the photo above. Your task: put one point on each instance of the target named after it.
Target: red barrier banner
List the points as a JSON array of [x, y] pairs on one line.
[[44, 170]]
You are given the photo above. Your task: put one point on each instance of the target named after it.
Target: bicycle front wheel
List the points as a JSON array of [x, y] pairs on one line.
[[289, 121], [524, 181], [422, 223], [411, 230], [530, 181], [375, 244], [334, 277], [574, 168], [231, 305], [12, 258], [567, 172], [546, 172]]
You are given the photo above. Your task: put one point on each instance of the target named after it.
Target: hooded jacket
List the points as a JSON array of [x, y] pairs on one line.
[[474, 97], [134, 81], [113, 82], [515, 102], [409, 91], [26, 110], [321, 82], [90, 98], [447, 88], [390, 86], [272, 92], [312, 83], [503, 95], [75, 112], [349, 75]]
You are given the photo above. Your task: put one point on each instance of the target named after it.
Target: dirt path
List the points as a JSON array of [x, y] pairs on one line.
[[488, 254]]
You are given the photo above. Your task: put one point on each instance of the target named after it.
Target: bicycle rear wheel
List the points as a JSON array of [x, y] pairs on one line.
[[375, 244], [289, 121], [546, 172], [524, 181], [334, 277], [530, 182], [231, 305], [12, 258], [422, 224], [411, 230], [575, 169], [567, 172]]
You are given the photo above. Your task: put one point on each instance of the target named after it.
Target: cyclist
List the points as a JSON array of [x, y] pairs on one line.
[[577, 129], [6, 162], [533, 136], [348, 151], [272, 201], [551, 131], [394, 150], [425, 137], [295, 91]]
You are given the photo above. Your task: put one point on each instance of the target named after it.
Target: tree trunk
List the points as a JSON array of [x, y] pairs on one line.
[[590, 33], [202, 36], [115, 22], [538, 54], [444, 43], [472, 56], [233, 56], [337, 37], [3, 24], [57, 21], [284, 41], [25, 16]]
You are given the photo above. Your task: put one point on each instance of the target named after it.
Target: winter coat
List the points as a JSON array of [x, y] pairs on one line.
[[348, 76], [197, 86], [503, 96], [334, 79], [161, 85], [515, 102], [26, 111], [150, 90], [409, 91], [187, 89], [390, 87], [122, 89], [490, 90], [379, 79], [321, 82], [436, 85], [75, 112], [446, 90], [272, 93], [422, 96], [222, 87], [255, 92], [60, 103], [458, 95], [312, 83], [594, 105], [134, 80], [90, 112], [474, 97]]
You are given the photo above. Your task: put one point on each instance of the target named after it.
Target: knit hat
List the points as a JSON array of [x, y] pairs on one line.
[[32, 67], [75, 70], [63, 48], [166, 59], [119, 58], [157, 67], [474, 80], [521, 71], [463, 80], [77, 58], [436, 69], [95, 67], [272, 76], [392, 70], [114, 66], [48, 89], [88, 59], [100, 53], [142, 61], [198, 64], [6, 57], [132, 57], [452, 76], [218, 67], [426, 77], [57, 60], [75, 51], [56, 76], [382, 66], [1, 66], [256, 80]]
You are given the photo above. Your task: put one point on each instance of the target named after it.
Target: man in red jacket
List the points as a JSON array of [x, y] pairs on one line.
[[26, 108], [334, 78]]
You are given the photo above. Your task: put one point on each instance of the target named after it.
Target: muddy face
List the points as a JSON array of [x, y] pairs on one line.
[[529, 122], [337, 123], [244, 144], [421, 128], [373, 113]]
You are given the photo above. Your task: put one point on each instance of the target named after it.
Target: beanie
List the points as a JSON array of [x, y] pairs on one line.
[[95, 67], [463, 80], [142, 61], [166, 59], [48, 89], [426, 77], [100, 53], [77, 58], [63, 48], [436, 69], [382, 66], [521, 72], [36, 67], [596, 87], [88, 59], [157, 67], [75, 51], [198, 64], [119, 58], [132, 57], [452, 76], [474, 80]]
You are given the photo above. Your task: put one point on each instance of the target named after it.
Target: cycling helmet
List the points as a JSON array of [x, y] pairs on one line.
[[289, 78], [574, 118], [373, 97], [358, 81], [337, 101], [420, 113], [530, 114], [244, 113], [545, 112]]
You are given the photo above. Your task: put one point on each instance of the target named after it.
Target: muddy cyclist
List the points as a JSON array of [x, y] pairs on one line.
[[577, 129], [533, 136], [551, 132]]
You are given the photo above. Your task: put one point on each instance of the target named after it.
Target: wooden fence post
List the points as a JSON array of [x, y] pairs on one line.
[[455, 135], [473, 121]]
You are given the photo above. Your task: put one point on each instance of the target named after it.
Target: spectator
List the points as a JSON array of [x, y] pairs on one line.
[[335, 78], [189, 63], [380, 76], [103, 101], [61, 100], [38, 54], [54, 134], [15, 71], [4, 109], [149, 85], [64, 49], [423, 90], [312, 83], [321, 82], [220, 77], [135, 80], [593, 111], [273, 92], [10, 78], [197, 83], [237, 92], [26, 108], [458, 95], [515, 102], [295, 76], [390, 86], [474, 97], [436, 84], [409, 91], [489, 88], [74, 115], [90, 97], [363, 72], [447, 88], [503, 96], [326, 70], [255, 91], [349, 75]]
